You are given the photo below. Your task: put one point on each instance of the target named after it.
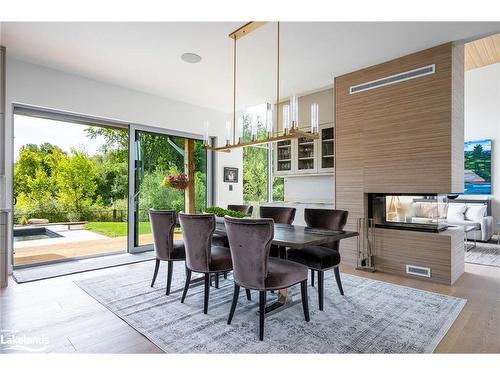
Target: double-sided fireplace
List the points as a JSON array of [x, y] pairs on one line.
[[417, 212]]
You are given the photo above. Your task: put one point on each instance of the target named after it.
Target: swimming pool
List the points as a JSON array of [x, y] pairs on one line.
[[30, 234]]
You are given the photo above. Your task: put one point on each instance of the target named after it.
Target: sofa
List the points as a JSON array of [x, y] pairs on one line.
[[463, 213]]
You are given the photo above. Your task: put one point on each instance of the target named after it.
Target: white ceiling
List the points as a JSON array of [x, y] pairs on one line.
[[146, 56]]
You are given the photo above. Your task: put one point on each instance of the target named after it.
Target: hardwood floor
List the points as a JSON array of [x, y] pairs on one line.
[[68, 250], [74, 322]]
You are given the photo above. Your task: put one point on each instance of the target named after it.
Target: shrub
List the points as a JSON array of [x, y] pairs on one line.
[[221, 212]]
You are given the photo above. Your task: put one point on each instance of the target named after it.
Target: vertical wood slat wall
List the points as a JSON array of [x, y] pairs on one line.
[[401, 138]]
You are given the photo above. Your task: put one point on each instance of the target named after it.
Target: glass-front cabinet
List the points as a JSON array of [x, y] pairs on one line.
[[306, 155], [283, 157], [327, 149]]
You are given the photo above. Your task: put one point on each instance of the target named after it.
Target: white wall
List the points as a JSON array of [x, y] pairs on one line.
[[482, 119], [39, 86], [310, 189]]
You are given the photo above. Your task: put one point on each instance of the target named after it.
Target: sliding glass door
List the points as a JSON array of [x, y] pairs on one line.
[[83, 187], [70, 187], [157, 159]]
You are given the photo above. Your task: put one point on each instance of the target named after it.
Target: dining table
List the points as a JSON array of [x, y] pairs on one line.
[[297, 237]]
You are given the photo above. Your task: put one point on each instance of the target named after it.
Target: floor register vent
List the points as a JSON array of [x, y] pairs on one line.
[[396, 78], [418, 271]]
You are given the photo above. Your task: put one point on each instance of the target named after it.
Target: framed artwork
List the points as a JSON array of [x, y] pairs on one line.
[[477, 167], [230, 174]]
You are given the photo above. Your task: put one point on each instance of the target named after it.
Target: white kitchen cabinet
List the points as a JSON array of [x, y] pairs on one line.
[[326, 149], [305, 156], [283, 158]]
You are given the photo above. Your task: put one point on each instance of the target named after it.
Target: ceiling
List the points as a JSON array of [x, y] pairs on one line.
[[482, 52], [146, 56]]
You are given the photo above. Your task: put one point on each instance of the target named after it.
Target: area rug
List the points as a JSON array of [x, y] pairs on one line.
[[487, 254], [372, 317], [68, 267]]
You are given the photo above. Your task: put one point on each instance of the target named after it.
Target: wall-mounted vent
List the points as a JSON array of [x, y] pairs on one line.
[[418, 271], [396, 78]]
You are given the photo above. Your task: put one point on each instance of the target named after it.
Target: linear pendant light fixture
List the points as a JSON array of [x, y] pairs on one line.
[[290, 111]]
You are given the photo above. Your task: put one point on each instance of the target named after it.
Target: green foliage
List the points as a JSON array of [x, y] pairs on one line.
[[278, 189], [255, 168], [153, 195], [51, 184], [116, 229], [77, 183], [112, 178], [221, 212]]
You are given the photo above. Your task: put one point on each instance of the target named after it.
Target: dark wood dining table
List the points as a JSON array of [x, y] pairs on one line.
[[295, 236]]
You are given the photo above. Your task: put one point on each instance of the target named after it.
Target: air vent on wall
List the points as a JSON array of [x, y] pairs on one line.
[[418, 271], [396, 78]]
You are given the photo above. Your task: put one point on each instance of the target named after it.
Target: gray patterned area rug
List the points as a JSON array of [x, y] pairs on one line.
[[372, 317], [487, 254]]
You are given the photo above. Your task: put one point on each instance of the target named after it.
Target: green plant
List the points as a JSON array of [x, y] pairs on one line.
[[221, 212], [23, 220]]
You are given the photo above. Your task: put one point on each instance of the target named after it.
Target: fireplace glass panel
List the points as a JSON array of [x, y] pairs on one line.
[[409, 211]]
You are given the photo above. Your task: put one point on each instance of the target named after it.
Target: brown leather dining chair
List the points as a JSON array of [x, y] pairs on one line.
[[280, 215], [324, 257], [250, 241], [201, 255], [166, 249]]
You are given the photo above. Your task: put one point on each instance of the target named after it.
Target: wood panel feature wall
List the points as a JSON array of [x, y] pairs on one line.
[[401, 138], [397, 248]]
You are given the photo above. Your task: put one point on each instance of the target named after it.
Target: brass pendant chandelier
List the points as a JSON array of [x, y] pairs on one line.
[[291, 128]]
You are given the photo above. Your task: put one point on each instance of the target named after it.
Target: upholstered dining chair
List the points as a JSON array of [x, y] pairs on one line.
[[280, 215], [166, 249], [201, 255], [241, 208], [250, 241], [324, 257], [220, 239]]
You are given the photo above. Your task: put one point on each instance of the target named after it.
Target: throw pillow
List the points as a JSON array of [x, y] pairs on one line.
[[475, 212], [455, 212]]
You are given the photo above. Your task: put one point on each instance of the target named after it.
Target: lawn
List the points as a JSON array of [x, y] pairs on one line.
[[115, 229]]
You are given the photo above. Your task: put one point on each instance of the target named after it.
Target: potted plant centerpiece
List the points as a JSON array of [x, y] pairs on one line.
[[220, 212]]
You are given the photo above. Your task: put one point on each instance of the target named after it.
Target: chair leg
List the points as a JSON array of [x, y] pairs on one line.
[[337, 278], [249, 296], [321, 288], [312, 277], [217, 280], [225, 275], [305, 300], [236, 294], [207, 293], [157, 266], [262, 308], [186, 285], [169, 276]]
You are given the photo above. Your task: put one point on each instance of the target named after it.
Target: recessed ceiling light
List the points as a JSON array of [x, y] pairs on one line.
[[191, 58]]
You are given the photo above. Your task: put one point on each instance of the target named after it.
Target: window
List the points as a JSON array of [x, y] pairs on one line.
[[258, 180]]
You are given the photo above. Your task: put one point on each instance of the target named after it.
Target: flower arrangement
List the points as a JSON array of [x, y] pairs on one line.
[[176, 181]]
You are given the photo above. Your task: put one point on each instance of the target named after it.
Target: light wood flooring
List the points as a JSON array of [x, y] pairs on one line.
[[68, 250], [74, 322]]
